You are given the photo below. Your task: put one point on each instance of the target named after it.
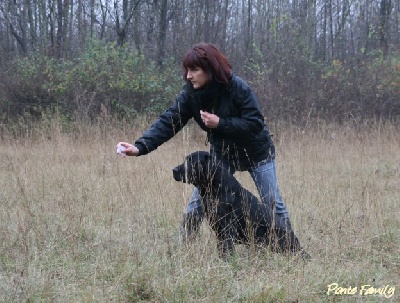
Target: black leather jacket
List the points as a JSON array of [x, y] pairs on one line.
[[241, 138]]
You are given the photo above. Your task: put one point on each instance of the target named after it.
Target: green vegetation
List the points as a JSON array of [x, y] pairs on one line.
[[120, 82], [104, 78]]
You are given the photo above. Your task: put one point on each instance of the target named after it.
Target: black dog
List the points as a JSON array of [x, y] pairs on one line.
[[234, 213]]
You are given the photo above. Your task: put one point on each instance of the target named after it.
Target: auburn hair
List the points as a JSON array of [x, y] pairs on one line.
[[211, 60]]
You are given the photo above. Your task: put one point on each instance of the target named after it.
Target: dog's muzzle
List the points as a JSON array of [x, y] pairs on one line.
[[179, 174]]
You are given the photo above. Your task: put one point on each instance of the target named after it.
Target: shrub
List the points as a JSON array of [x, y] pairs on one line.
[[105, 77]]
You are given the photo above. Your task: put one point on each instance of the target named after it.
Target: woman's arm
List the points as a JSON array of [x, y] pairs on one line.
[[167, 125]]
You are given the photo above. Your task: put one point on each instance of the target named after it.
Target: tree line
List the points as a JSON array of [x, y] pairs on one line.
[[331, 58]]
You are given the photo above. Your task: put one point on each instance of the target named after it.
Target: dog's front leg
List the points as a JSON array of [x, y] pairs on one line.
[[226, 242], [225, 248]]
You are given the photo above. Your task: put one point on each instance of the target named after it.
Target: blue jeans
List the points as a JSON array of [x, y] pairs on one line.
[[264, 177]]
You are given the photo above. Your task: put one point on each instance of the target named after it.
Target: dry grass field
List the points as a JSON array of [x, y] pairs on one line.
[[80, 224]]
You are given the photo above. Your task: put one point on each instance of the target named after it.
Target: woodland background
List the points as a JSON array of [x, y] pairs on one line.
[[328, 59]]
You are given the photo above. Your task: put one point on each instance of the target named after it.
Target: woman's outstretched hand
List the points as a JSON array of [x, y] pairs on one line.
[[130, 149]]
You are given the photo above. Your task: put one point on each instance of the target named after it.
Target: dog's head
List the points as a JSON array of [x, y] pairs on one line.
[[195, 169]]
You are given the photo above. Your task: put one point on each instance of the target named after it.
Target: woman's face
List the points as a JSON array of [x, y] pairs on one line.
[[197, 76]]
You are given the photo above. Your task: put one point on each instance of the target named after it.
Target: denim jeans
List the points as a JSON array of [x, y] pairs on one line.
[[264, 177]]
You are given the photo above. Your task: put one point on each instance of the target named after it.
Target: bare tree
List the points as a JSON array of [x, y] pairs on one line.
[[162, 35], [384, 14], [325, 29], [123, 14], [15, 17]]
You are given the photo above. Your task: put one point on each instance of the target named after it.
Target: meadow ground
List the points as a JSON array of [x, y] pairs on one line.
[[80, 224]]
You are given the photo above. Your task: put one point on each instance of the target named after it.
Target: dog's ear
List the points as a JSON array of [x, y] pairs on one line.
[[192, 168], [203, 157], [210, 167], [197, 167]]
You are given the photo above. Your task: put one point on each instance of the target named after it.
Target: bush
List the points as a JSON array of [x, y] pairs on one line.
[[118, 81], [104, 78], [292, 87], [363, 89]]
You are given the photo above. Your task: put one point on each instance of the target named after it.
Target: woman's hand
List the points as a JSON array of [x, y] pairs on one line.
[[210, 120], [130, 149]]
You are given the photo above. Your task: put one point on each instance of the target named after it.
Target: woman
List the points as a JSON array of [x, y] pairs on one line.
[[226, 108]]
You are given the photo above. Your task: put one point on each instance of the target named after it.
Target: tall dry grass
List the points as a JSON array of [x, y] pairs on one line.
[[80, 224]]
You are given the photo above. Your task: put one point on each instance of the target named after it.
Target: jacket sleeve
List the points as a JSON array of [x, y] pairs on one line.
[[250, 119], [167, 125]]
